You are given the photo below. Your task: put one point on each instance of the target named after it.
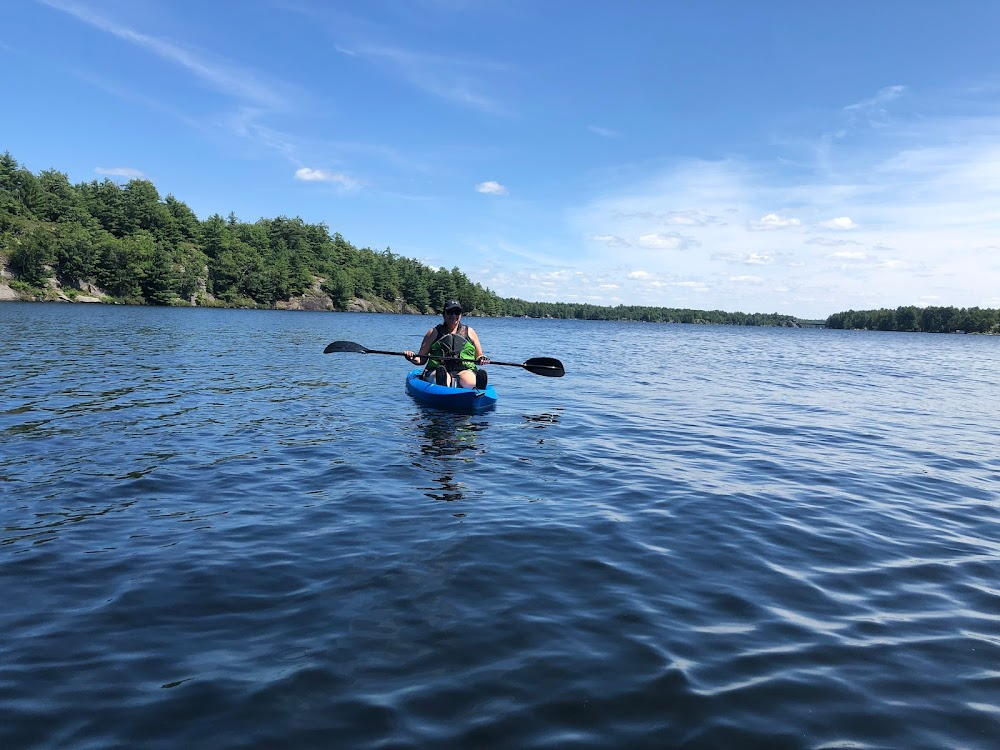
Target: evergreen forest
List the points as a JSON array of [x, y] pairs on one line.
[[927, 319]]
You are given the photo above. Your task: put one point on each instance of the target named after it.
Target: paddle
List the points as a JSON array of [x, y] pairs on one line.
[[545, 366]]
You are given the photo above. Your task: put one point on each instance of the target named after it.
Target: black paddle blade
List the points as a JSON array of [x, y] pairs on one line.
[[545, 366], [344, 346]]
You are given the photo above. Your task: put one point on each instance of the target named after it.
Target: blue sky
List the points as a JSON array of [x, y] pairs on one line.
[[793, 157]]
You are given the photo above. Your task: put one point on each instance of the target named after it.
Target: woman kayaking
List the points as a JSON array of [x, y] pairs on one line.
[[452, 352]]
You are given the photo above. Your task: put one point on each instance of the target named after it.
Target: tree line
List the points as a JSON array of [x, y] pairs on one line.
[[925, 319], [139, 248]]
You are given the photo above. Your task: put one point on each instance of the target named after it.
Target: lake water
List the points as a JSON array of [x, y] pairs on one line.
[[212, 535]]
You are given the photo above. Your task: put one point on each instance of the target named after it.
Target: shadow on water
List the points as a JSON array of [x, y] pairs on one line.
[[451, 442]]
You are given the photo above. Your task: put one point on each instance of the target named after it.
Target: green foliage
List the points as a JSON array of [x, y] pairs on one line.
[[76, 252], [184, 223], [191, 268], [339, 287], [927, 319], [159, 281], [59, 201], [28, 291], [105, 201], [123, 262], [31, 256]]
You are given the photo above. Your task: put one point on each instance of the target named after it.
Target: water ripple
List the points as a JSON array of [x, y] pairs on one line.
[[759, 538]]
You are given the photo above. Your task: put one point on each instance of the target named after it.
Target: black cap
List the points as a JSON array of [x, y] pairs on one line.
[[453, 304]]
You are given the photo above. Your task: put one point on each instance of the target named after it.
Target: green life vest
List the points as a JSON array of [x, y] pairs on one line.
[[455, 344]]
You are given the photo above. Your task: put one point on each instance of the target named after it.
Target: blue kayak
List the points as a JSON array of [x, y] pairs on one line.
[[464, 400]]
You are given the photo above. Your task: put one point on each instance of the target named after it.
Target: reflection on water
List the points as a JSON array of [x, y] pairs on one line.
[[448, 438], [541, 421]]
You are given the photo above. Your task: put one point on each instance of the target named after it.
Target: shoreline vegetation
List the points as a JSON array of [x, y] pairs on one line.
[[105, 242]]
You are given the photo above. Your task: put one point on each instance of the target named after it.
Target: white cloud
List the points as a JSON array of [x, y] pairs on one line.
[[663, 242], [841, 222], [490, 187], [129, 172], [639, 275], [774, 221], [746, 279], [321, 175], [910, 211], [603, 132]]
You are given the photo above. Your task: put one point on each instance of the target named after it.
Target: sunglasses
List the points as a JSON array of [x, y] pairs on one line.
[[453, 311]]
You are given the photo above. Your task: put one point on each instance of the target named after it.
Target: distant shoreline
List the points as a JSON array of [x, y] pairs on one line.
[[7, 294]]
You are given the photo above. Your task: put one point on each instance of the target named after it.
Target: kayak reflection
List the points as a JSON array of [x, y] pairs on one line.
[[451, 442]]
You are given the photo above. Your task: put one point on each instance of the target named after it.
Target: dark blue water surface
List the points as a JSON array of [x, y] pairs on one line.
[[212, 535]]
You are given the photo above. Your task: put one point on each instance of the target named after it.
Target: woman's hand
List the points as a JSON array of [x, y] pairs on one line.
[[483, 360]]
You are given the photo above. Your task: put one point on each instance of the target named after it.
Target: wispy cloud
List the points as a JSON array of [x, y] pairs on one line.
[[455, 79], [490, 187], [248, 123], [220, 75], [756, 259], [872, 111], [611, 240], [128, 172], [656, 241], [603, 132], [689, 218], [827, 242], [250, 104]]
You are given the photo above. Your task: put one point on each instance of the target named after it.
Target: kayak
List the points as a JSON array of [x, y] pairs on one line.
[[464, 400]]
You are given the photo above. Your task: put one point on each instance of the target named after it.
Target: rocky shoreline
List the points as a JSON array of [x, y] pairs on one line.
[[313, 300]]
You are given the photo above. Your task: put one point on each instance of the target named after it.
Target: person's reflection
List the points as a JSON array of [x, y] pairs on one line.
[[448, 438]]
